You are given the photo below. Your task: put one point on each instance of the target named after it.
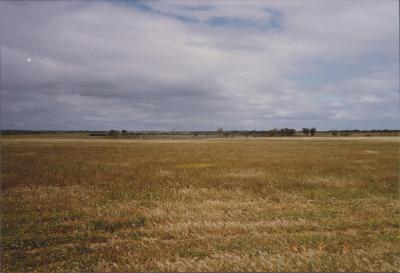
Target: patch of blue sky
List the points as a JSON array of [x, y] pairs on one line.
[[272, 24], [182, 18], [142, 6], [276, 18], [229, 21], [267, 25], [197, 8], [139, 4]]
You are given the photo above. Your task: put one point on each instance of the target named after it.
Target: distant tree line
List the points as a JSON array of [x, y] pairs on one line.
[[36, 132], [281, 132], [220, 132]]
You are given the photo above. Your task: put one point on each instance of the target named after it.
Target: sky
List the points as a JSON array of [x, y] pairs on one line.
[[199, 65]]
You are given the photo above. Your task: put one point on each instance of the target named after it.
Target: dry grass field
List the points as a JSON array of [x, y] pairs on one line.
[[266, 204]]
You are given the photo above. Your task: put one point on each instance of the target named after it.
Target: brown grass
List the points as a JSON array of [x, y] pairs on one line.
[[323, 204]]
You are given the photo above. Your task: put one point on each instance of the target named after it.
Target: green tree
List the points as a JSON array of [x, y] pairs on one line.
[[306, 131]]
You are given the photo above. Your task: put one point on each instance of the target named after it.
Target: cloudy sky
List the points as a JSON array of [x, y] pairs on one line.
[[199, 65]]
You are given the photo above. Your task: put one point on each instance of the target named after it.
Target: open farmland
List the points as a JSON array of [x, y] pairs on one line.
[[266, 204]]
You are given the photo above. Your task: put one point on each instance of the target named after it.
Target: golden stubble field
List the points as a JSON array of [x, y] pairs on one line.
[[268, 204]]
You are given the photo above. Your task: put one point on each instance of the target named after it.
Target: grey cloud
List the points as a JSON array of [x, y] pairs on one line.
[[103, 65]]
